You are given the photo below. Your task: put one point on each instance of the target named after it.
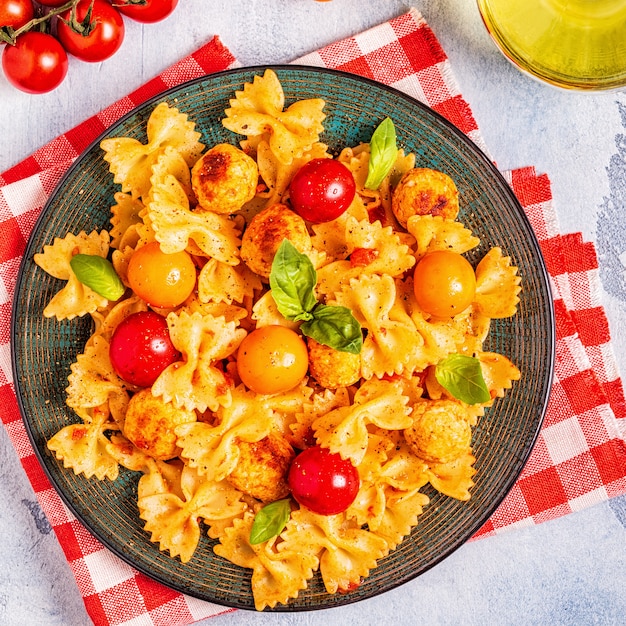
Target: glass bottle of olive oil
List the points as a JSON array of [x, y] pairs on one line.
[[577, 44]]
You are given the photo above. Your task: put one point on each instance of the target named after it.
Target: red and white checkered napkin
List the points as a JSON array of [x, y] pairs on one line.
[[580, 456]]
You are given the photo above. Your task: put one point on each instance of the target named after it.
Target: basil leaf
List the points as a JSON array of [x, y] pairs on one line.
[[270, 521], [462, 376], [383, 153], [292, 280], [334, 326], [98, 274]]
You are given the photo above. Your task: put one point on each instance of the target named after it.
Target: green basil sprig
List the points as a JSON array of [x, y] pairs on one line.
[[98, 274], [270, 521], [462, 376], [292, 280], [383, 153]]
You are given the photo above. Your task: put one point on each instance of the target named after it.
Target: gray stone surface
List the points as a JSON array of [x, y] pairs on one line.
[[567, 571]]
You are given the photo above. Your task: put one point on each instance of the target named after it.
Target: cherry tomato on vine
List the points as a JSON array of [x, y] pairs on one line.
[[272, 359], [102, 36], [141, 348], [322, 481], [16, 13], [37, 63], [322, 190], [150, 11], [162, 280], [444, 283]]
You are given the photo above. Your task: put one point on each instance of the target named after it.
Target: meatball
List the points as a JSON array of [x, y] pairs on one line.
[[266, 232], [261, 471], [224, 178], [440, 433], [150, 424], [424, 191], [332, 368]]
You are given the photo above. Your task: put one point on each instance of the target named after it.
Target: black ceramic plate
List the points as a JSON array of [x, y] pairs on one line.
[[43, 349]]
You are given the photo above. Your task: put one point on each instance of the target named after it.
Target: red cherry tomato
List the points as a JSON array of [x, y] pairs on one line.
[[151, 11], [322, 190], [141, 348], [103, 37], [16, 13], [37, 63], [322, 481]]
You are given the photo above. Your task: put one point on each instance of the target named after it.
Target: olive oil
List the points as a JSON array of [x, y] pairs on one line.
[[577, 44]]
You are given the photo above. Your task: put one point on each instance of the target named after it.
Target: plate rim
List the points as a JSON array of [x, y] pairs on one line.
[[472, 147]]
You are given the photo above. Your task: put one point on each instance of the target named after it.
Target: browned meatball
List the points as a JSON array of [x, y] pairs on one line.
[[423, 191], [266, 232], [224, 178], [261, 471], [332, 368], [440, 432], [150, 424]]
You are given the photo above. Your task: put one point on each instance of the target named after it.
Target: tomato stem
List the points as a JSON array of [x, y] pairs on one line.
[[37, 21]]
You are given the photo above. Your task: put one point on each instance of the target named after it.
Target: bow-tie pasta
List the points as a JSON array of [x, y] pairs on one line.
[[210, 454], [131, 161]]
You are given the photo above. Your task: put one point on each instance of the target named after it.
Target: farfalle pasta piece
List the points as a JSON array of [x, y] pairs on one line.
[[475, 329], [277, 575], [83, 447], [92, 381], [197, 382], [392, 256], [258, 110], [401, 514], [230, 312], [286, 406], [75, 299], [220, 282], [345, 430], [301, 429], [391, 345], [454, 479], [329, 238], [173, 522], [370, 501], [389, 500], [131, 161], [213, 449], [372, 250], [347, 552], [498, 372], [128, 455], [171, 162], [433, 232], [125, 216], [176, 226], [497, 285]]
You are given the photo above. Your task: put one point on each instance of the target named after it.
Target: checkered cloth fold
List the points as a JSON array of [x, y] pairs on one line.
[[580, 455]]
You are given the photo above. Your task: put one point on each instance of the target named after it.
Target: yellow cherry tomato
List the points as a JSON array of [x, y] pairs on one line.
[[272, 359], [162, 280], [444, 283]]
